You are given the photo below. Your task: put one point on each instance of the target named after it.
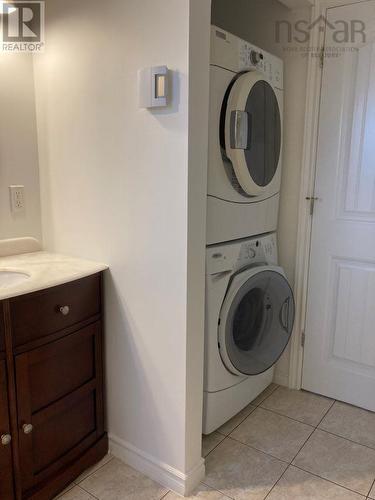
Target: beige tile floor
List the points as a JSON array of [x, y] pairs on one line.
[[286, 445]]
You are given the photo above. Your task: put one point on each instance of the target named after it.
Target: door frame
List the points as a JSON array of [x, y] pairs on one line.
[[307, 187]]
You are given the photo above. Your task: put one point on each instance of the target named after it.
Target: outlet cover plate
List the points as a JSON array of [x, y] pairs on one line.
[[17, 198]]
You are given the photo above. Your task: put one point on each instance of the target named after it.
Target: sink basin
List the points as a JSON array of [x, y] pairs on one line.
[[11, 278]]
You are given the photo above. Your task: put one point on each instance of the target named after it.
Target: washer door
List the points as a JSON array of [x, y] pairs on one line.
[[253, 132], [256, 320]]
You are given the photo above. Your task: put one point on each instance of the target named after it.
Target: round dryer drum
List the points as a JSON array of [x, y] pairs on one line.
[[256, 320], [253, 131]]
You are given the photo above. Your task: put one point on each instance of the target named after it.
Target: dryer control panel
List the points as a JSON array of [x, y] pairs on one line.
[[252, 58], [232, 53]]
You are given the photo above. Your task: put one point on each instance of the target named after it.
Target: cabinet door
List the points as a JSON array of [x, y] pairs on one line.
[[6, 473], [2, 332], [60, 403]]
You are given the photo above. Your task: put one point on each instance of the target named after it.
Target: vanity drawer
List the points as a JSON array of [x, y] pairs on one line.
[[40, 314]]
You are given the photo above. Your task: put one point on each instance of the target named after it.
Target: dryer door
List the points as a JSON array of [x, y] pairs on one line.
[[253, 131], [256, 320]]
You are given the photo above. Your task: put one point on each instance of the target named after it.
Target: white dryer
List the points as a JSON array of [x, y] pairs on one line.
[[245, 139], [249, 321]]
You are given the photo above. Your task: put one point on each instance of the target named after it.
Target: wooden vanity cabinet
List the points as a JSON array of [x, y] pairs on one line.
[[53, 352], [6, 461]]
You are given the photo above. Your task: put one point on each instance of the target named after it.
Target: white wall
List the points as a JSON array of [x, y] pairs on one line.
[[254, 20], [295, 100], [199, 56], [125, 186], [18, 146]]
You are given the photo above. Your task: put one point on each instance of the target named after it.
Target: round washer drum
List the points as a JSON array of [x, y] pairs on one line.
[[256, 320], [253, 131]]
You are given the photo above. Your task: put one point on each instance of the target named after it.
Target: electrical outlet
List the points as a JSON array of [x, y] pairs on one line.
[[17, 198]]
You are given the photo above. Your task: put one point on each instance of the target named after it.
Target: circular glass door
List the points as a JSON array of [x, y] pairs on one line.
[[252, 131], [259, 323], [264, 133]]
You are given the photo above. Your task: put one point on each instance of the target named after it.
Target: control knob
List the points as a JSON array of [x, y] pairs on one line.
[[255, 57]]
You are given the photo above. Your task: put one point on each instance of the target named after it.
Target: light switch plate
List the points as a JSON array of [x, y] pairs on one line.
[[17, 198], [153, 87]]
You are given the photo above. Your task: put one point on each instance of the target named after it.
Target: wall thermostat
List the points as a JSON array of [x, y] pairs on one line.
[[153, 87]]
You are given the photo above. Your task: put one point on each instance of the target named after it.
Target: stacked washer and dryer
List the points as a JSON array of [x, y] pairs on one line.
[[249, 303]]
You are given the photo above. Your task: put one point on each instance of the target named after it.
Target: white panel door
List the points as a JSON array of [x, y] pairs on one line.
[[339, 359]]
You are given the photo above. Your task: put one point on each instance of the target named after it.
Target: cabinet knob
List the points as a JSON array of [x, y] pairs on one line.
[[27, 428], [65, 310], [6, 439]]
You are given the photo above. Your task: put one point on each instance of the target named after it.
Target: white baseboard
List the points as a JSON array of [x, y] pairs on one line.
[[164, 474], [281, 379]]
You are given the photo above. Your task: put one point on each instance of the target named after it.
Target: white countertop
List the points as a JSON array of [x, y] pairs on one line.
[[45, 270]]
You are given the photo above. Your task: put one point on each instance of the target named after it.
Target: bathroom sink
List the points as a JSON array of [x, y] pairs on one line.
[[11, 278]]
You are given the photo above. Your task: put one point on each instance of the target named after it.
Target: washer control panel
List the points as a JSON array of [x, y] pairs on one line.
[[269, 246], [250, 253], [230, 257], [258, 251]]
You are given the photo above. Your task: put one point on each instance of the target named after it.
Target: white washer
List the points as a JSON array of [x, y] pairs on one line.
[[249, 320], [245, 139]]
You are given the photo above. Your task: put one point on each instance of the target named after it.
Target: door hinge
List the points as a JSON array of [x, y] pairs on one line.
[[321, 57], [312, 200], [303, 338]]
